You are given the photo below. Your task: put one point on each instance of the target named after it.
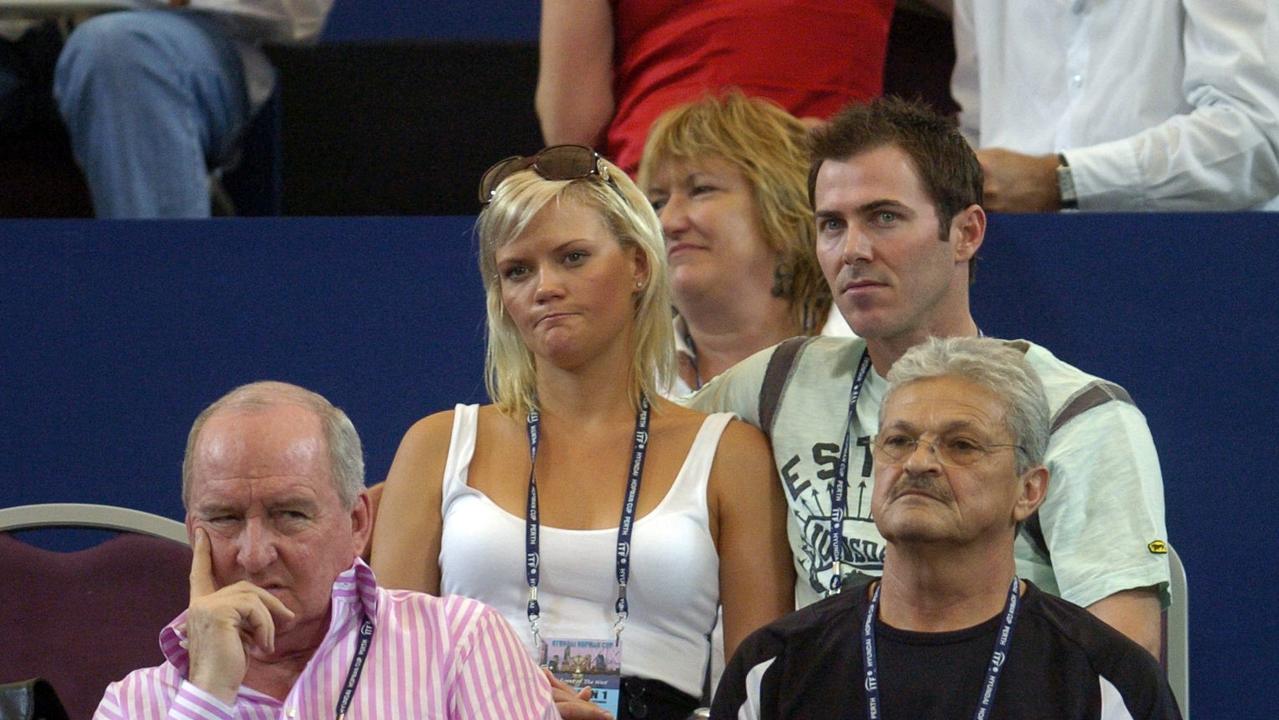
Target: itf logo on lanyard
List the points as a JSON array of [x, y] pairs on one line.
[[586, 662]]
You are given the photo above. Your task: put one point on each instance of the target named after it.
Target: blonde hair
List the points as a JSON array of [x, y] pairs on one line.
[[770, 148], [509, 367]]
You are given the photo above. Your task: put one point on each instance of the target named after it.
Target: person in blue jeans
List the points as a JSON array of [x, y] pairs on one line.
[[154, 100]]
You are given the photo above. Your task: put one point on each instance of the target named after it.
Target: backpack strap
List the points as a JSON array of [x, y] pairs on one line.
[[775, 376], [1094, 394]]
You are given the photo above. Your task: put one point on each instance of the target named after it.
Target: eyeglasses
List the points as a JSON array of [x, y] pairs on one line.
[[896, 448], [557, 162]]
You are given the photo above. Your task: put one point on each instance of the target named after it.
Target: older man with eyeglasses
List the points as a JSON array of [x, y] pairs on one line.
[[950, 630]]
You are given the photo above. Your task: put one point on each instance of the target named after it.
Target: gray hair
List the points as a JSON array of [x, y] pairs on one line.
[[346, 456], [994, 365]]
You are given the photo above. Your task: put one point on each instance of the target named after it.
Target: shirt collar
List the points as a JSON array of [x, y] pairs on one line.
[[354, 592], [683, 340]]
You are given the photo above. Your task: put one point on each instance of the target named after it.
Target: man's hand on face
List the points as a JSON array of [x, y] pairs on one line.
[[222, 625], [1019, 183]]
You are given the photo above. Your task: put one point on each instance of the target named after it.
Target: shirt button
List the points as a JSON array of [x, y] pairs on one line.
[[291, 712], [1076, 80]]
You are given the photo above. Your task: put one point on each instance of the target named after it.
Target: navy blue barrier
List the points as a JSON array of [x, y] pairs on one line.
[[434, 20], [115, 334]]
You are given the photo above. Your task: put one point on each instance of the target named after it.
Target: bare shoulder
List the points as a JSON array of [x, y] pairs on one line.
[[666, 416], [743, 441], [743, 482], [497, 429], [744, 450], [490, 414], [406, 535], [740, 441], [433, 423], [745, 436], [419, 461], [676, 415], [427, 434]]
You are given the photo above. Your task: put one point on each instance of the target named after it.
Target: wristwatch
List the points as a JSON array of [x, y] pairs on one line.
[[1066, 184]]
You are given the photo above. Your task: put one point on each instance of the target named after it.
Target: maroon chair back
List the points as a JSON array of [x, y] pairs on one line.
[[84, 619]]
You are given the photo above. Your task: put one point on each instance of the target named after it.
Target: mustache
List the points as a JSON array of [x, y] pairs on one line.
[[927, 484]]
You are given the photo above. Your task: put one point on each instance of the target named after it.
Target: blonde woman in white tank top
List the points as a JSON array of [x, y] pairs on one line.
[[579, 334]]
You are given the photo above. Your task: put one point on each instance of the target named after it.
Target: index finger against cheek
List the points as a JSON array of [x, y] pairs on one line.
[[202, 582]]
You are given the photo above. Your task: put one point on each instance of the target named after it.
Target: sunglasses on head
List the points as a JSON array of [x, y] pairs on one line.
[[557, 162]]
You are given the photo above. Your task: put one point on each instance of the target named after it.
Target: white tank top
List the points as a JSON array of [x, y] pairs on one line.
[[674, 586]]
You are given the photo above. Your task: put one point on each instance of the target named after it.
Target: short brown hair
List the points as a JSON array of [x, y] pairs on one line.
[[946, 164], [769, 147]]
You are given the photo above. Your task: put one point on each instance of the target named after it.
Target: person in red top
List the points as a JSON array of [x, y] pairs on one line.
[[608, 68]]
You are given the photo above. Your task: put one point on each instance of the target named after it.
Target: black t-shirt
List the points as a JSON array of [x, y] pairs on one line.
[[1062, 664]]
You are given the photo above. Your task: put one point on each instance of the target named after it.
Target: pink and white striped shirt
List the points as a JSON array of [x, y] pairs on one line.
[[431, 657]]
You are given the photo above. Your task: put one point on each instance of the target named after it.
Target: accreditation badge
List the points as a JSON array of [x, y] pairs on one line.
[[580, 663]]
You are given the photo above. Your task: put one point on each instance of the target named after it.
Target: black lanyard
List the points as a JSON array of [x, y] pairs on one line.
[[532, 538], [839, 484], [357, 667], [1003, 639]]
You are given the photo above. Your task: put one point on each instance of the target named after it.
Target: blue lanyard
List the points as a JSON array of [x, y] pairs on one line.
[[839, 484], [1002, 641], [532, 539], [357, 667]]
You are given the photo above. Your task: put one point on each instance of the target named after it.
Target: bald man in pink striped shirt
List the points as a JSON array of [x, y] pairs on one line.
[[285, 621]]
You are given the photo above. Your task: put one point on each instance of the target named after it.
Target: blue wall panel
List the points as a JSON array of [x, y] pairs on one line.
[[117, 333], [433, 19], [1180, 309], [113, 335]]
